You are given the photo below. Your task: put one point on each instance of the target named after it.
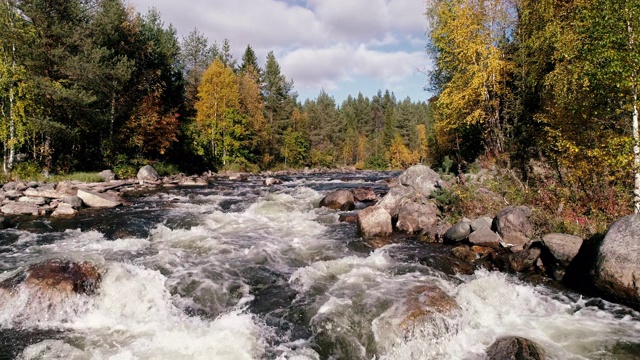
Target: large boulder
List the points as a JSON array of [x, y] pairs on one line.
[[617, 267], [374, 221], [514, 348], [107, 175], [93, 199], [414, 217], [562, 247], [339, 200], [394, 198], [57, 277], [513, 225], [458, 232], [21, 208], [421, 179], [485, 237], [74, 201], [481, 223], [147, 173]]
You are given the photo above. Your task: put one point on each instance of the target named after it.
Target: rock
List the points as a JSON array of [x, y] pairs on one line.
[[13, 194], [374, 221], [11, 185], [147, 173], [107, 175], [92, 199], [421, 179], [44, 192], [351, 218], [74, 201], [38, 200], [239, 177], [481, 223], [483, 252], [512, 224], [392, 200], [67, 188], [5, 223], [20, 208], [464, 253], [272, 181], [339, 200], [364, 194], [563, 247], [33, 184], [64, 209], [617, 267], [192, 181], [424, 302], [514, 348], [524, 260], [458, 232], [485, 237], [414, 217], [57, 276]]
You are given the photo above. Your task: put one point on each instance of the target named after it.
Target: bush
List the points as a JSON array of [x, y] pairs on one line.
[[28, 170], [165, 169]]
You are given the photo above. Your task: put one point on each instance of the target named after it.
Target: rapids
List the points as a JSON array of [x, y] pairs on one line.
[[243, 271]]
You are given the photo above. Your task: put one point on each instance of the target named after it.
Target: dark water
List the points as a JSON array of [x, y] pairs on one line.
[[243, 271]]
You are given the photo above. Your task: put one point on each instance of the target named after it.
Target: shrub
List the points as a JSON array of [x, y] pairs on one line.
[[28, 170]]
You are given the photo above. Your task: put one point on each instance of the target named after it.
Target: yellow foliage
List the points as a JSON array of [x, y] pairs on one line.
[[399, 154]]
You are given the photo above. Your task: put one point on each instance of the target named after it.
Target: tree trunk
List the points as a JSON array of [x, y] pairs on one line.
[[636, 151]]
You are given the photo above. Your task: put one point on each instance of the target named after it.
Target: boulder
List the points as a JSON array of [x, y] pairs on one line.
[[351, 218], [464, 253], [458, 232], [423, 302], [339, 200], [392, 200], [63, 210], [617, 267], [364, 194], [5, 223], [38, 200], [57, 276], [514, 348], [414, 217], [524, 260], [272, 181], [239, 177], [485, 237], [93, 199], [192, 181], [562, 247], [421, 179], [513, 225], [44, 192], [107, 175], [21, 208], [147, 173], [481, 223], [67, 188], [374, 221], [74, 201]]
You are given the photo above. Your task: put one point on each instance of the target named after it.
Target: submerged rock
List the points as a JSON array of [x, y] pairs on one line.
[[617, 267], [57, 277], [272, 181], [351, 218], [514, 348], [339, 200], [374, 221], [423, 302], [364, 194]]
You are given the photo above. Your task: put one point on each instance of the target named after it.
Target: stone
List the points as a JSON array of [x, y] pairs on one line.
[[364, 194], [393, 199], [64, 210], [423, 302], [38, 200], [93, 199], [67, 188], [374, 221], [11, 185], [339, 200], [13, 194], [422, 179], [147, 173], [20, 208], [483, 252], [414, 217], [74, 201], [57, 276], [239, 177], [514, 348], [44, 192], [272, 181], [562, 247], [617, 267], [192, 181], [351, 218], [481, 223], [107, 175], [485, 237], [464, 253], [458, 232], [524, 260], [513, 225]]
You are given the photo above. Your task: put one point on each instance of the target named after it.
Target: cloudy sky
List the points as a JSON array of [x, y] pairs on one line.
[[341, 46]]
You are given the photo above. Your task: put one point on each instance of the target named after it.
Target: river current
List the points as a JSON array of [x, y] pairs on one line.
[[239, 270]]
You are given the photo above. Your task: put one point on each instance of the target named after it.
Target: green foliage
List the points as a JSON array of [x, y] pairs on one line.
[[165, 168], [124, 168], [28, 170], [376, 162], [448, 202], [447, 163], [77, 176]]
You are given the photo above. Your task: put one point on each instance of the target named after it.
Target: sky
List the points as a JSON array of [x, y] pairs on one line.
[[342, 46]]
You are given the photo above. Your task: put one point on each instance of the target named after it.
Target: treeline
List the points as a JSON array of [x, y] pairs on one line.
[[552, 81], [90, 84]]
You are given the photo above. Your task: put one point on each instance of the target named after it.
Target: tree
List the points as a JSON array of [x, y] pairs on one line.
[[196, 56], [278, 101], [218, 98]]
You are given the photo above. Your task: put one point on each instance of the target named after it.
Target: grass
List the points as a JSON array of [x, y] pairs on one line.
[[77, 176]]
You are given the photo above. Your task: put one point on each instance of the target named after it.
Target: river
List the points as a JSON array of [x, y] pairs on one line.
[[239, 270]]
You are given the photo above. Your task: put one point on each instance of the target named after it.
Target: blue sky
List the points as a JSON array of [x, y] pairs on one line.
[[341, 46]]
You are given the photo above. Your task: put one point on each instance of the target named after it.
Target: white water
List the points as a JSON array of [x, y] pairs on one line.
[[187, 292]]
